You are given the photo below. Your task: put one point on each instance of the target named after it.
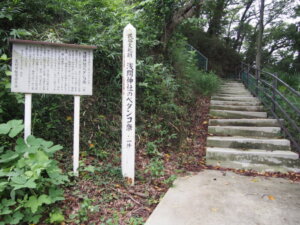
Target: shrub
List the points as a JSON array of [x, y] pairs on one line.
[[205, 83], [29, 178]]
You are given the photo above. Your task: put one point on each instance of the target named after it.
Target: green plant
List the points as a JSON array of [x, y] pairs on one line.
[[112, 221], [151, 149], [136, 221], [156, 167], [169, 181], [201, 82], [206, 83], [86, 208], [56, 216], [29, 177], [9, 102]]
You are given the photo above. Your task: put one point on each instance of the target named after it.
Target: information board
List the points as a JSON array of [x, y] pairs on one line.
[[51, 69]]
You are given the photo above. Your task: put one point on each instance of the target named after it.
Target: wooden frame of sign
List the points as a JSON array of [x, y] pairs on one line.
[[52, 68]]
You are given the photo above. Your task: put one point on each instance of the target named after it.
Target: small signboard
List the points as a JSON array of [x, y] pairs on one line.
[[48, 68], [52, 68]]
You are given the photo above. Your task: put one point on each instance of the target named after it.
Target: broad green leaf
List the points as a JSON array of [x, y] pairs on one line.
[[56, 194], [53, 172], [56, 217], [8, 73], [32, 149], [16, 127], [34, 219], [19, 180], [21, 146], [3, 185], [7, 173], [16, 218], [16, 130], [29, 184], [8, 156], [7, 202], [47, 144], [3, 57], [3, 173], [15, 123], [41, 157], [90, 169], [29, 173], [5, 206], [4, 128], [33, 141], [44, 199], [32, 203], [54, 149], [5, 211]]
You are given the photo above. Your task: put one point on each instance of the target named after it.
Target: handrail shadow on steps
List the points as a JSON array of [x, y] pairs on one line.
[[280, 99]]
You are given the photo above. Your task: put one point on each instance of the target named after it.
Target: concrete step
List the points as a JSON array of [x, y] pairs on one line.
[[244, 122], [236, 114], [228, 87], [248, 143], [219, 102], [259, 160], [232, 95], [245, 131], [240, 99], [232, 84], [233, 91], [238, 108], [233, 87]]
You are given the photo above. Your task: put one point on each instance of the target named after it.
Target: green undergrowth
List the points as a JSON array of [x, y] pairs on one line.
[[30, 178], [185, 64]]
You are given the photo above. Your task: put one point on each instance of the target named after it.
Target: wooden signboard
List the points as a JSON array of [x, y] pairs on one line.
[[52, 68]]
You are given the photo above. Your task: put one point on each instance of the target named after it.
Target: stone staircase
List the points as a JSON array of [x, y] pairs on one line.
[[243, 137]]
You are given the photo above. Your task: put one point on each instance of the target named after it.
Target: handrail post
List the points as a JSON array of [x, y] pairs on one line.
[[275, 84], [248, 70], [257, 83], [241, 72]]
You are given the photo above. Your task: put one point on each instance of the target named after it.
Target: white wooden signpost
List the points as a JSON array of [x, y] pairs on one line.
[[51, 68], [128, 102]]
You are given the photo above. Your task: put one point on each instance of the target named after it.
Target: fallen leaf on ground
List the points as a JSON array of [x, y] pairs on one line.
[[271, 197]]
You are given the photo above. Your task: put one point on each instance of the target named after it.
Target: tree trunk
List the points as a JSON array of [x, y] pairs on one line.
[[238, 41], [187, 11], [260, 36], [214, 28]]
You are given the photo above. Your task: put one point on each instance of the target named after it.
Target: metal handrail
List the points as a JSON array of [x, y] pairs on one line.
[[295, 108], [275, 77], [199, 53], [275, 94]]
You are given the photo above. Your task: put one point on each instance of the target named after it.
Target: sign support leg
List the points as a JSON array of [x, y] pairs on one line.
[[27, 116], [76, 134]]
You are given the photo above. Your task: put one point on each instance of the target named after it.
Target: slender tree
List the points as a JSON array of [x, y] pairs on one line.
[[260, 37]]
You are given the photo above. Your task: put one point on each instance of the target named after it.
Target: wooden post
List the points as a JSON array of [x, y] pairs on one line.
[[76, 134], [27, 116], [128, 103]]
